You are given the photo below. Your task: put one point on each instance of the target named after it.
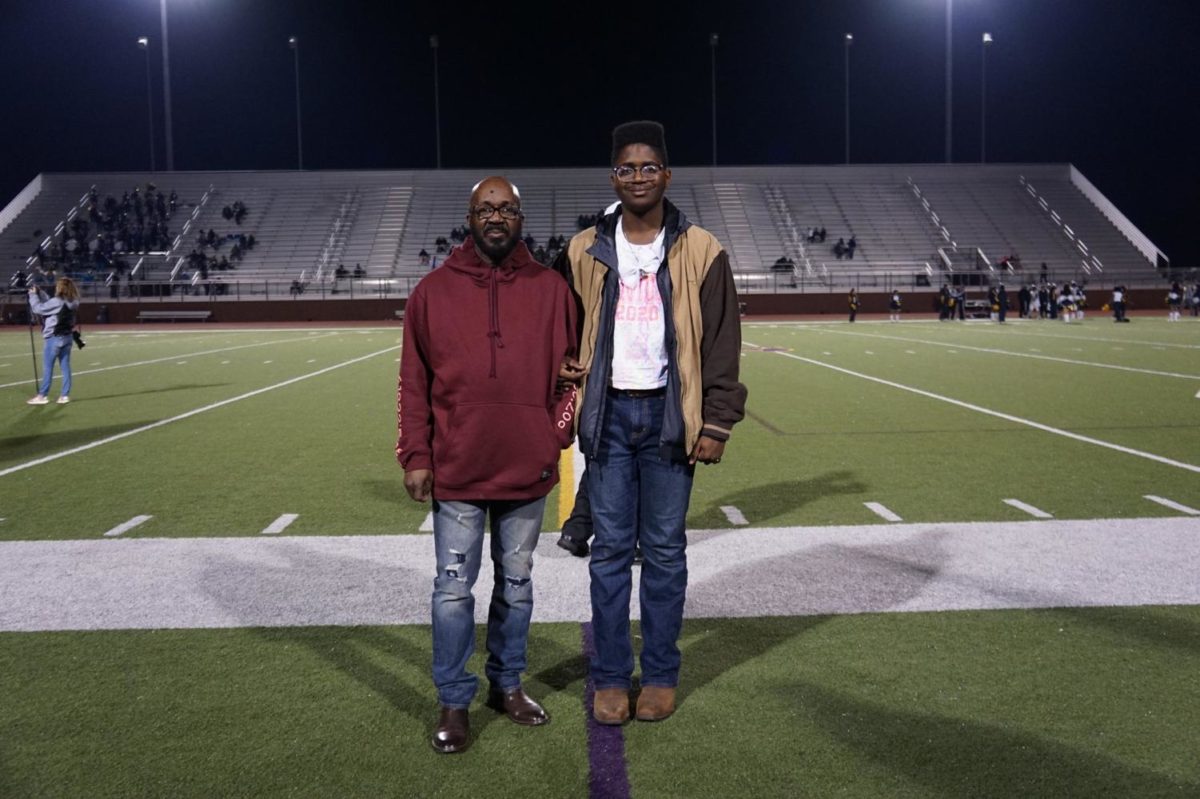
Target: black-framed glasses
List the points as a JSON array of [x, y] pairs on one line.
[[484, 211], [648, 171]]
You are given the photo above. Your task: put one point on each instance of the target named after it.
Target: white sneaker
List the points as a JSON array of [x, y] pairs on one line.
[[38, 400], [63, 400]]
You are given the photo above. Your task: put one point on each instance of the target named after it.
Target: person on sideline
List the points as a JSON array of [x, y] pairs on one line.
[[59, 314], [852, 300], [484, 336], [659, 393]]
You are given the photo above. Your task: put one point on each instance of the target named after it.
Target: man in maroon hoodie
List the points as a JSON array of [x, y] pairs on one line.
[[484, 335]]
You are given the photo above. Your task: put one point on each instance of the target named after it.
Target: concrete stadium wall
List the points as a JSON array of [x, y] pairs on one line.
[[1139, 300]]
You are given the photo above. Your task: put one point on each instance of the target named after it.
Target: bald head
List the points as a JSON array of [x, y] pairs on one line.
[[494, 218], [497, 188]]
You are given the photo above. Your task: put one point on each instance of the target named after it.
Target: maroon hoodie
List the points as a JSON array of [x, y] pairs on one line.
[[482, 348]]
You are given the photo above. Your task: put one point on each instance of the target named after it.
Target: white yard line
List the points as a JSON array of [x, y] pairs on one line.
[[279, 525], [988, 411], [189, 414], [1036, 513], [734, 515], [882, 511], [1173, 505], [125, 527], [173, 357], [994, 351], [275, 581]]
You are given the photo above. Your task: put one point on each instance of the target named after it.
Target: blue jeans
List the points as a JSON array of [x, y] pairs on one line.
[[637, 496], [458, 542], [56, 348]]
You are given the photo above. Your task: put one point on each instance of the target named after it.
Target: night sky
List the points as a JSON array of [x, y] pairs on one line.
[[1109, 85]]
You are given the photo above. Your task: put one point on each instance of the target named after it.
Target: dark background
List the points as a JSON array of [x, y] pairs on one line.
[[1109, 85]]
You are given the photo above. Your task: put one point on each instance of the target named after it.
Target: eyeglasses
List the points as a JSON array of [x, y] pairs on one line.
[[484, 212], [648, 171]]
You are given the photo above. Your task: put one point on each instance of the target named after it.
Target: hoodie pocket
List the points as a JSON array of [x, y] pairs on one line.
[[504, 445]]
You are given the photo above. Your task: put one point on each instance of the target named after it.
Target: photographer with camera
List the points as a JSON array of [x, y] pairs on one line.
[[59, 314]]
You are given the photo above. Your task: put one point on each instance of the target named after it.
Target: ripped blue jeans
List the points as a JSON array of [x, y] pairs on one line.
[[458, 529]]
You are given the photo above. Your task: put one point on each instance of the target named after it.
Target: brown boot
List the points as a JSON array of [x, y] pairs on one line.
[[518, 706], [611, 706], [453, 732], [655, 703]]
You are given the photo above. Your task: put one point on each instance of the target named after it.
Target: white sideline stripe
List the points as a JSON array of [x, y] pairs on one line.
[[994, 351], [882, 511], [173, 357], [189, 414], [127, 526], [427, 525], [979, 409], [734, 515], [280, 524], [1016, 331], [1168, 503], [1036, 513]]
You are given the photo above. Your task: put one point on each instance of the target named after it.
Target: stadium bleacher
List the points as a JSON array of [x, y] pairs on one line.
[[308, 223]]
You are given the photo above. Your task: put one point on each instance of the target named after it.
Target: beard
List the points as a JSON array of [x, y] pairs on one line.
[[496, 250]]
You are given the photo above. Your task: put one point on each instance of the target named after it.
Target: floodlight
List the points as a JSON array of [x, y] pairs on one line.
[[293, 42], [849, 38], [143, 42], [987, 38]]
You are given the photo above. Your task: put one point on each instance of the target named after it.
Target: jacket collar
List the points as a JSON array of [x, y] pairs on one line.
[[604, 248]]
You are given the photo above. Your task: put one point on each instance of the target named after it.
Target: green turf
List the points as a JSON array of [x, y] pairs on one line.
[[817, 444], [1086, 702]]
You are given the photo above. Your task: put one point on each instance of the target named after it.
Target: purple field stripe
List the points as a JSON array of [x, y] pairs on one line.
[[607, 778]]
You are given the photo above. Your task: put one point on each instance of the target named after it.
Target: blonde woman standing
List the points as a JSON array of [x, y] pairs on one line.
[[59, 314]]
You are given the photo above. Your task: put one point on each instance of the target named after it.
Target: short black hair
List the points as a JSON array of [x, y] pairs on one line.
[[645, 132]]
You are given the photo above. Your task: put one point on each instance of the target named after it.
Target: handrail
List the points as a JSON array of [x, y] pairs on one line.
[[1136, 237], [1061, 224], [20, 202]]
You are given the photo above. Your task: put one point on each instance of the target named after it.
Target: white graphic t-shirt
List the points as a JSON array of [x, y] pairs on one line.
[[639, 349]]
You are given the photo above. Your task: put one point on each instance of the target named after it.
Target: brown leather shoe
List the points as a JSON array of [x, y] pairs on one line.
[[453, 733], [655, 703], [611, 706], [518, 706]]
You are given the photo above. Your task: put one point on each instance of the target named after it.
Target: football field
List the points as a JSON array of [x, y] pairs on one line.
[[937, 559]]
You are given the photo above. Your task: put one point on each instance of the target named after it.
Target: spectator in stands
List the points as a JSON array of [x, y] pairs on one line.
[[853, 302], [59, 315], [423, 257], [821, 235], [359, 271], [850, 246], [839, 249], [340, 272]]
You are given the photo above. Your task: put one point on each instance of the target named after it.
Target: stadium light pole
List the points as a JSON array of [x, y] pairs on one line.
[[987, 42], [294, 43], [713, 39], [949, 82], [849, 41], [166, 57], [437, 107], [144, 46]]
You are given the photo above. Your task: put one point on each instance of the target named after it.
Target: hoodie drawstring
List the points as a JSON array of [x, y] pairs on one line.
[[494, 320]]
